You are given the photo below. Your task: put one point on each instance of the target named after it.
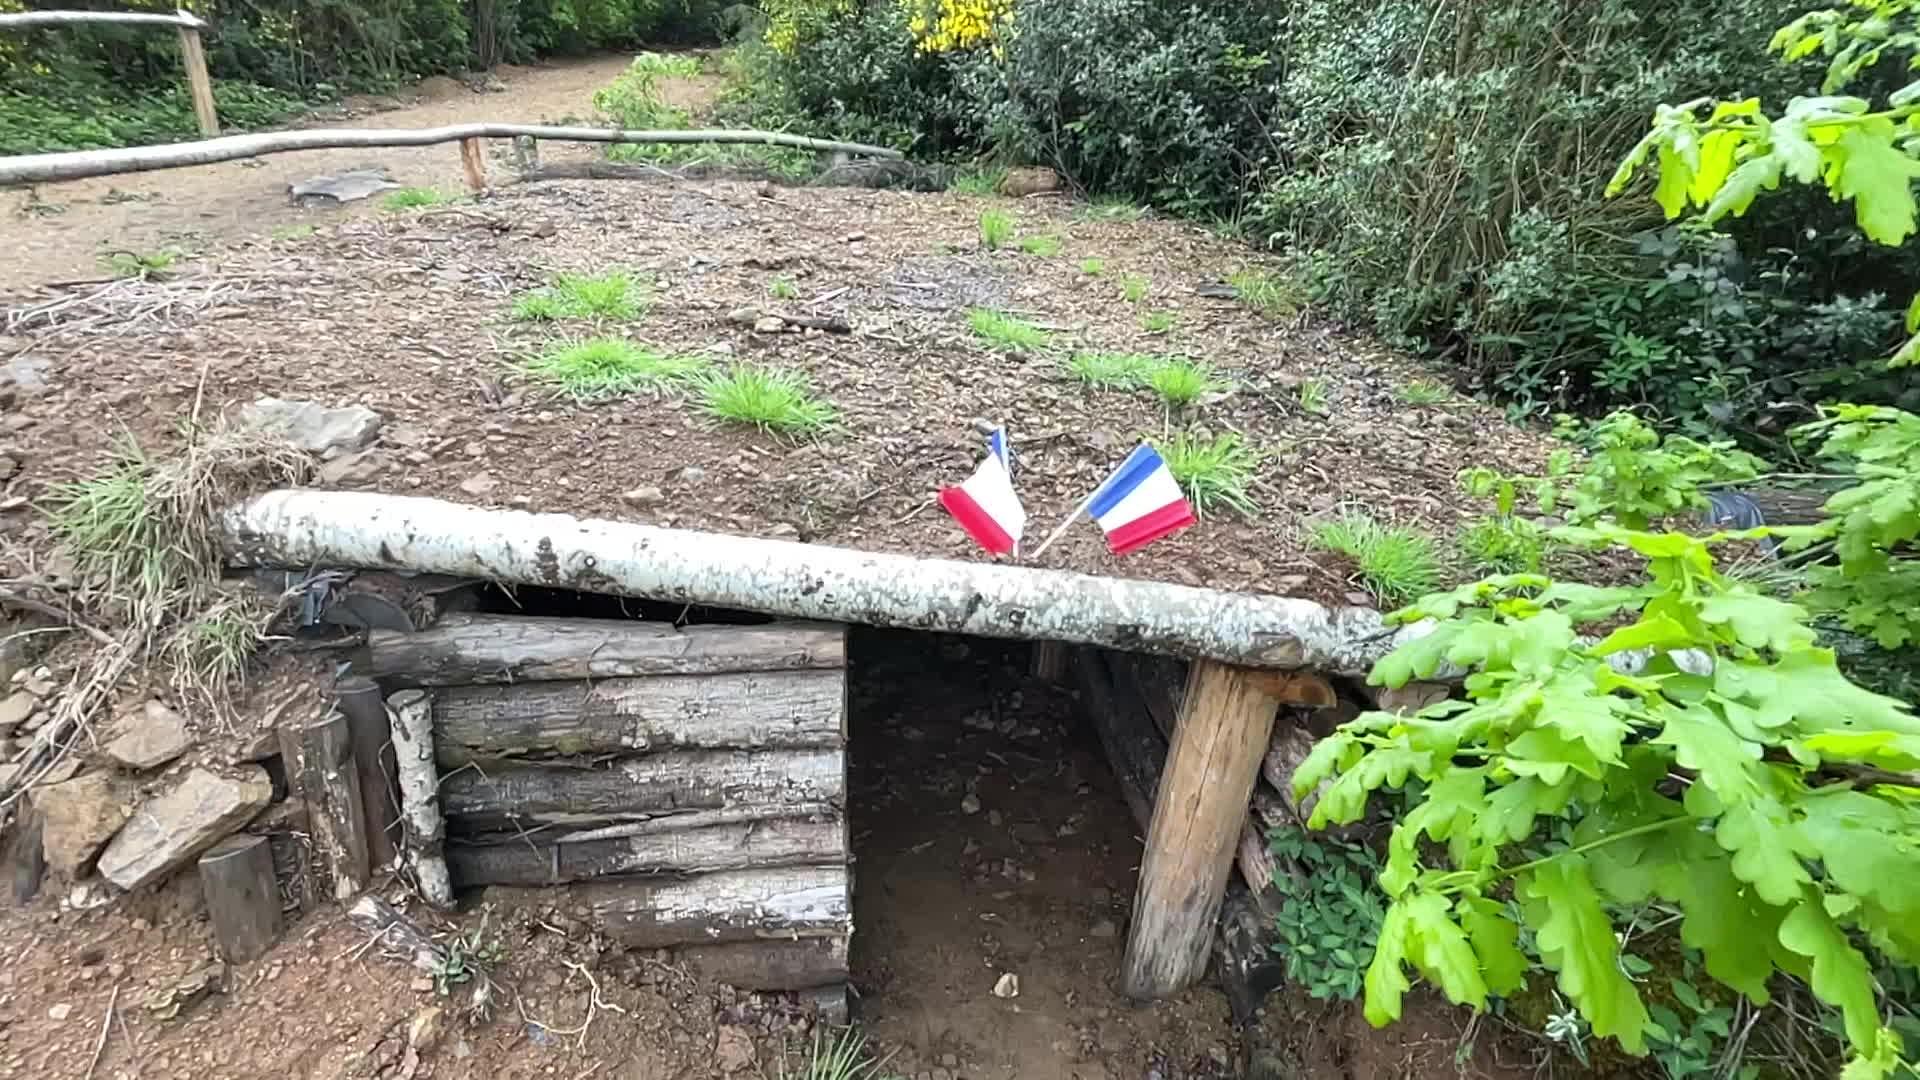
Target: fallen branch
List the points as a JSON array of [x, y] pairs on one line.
[[8, 596], [26, 20], [78, 164], [106, 1023]]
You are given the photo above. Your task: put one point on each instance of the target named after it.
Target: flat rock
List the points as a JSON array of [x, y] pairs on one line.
[[173, 827], [732, 1050], [479, 484], [349, 186], [15, 709], [150, 738], [314, 427], [78, 817]]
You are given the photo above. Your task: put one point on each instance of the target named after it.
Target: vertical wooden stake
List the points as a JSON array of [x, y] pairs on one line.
[[319, 760], [526, 153], [1225, 722], [1050, 660], [473, 159], [199, 85], [373, 759], [243, 902], [411, 714]]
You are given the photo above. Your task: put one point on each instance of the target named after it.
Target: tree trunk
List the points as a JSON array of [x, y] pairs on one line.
[[735, 905], [410, 714], [771, 965], [752, 710], [464, 649], [319, 763], [699, 845], [243, 899], [643, 786]]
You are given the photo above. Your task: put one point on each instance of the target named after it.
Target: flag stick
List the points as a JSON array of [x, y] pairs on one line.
[[1077, 512]]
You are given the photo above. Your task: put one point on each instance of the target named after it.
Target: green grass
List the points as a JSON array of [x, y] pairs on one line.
[[667, 65], [1111, 370], [977, 182], [1397, 564], [1133, 287], [597, 368], [612, 296], [996, 229], [1501, 544], [1313, 396], [412, 198], [1213, 472], [783, 289], [218, 644], [771, 399], [141, 264], [1158, 322], [1268, 292], [292, 232], [1044, 246], [1093, 267], [838, 1055], [1422, 392], [1181, 382], [1005, 332], [1111, 208]]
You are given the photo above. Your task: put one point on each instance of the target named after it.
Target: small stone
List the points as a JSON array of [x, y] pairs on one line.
[[769, 324], [314, 427], [422, 983], [418, 457], [732, 1050], [1360, 599], [426, 1028], [970, 804], [1103, 929], [855, 237], [9, 466], [645, 495], [1008, 986], [993, 818], [744, 316], [692, 474], [78, 817], [951, 1061], [782, 531], [521, 501], [40, 683], [475, 449], [60, 1011], [151, 739], [16, 709], [141, 926], [479, 484]]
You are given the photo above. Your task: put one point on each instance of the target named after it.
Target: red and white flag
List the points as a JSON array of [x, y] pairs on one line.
[[985, 504]]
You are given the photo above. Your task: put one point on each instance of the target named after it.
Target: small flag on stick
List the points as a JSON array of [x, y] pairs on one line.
[[1140, 503], [985, 504]]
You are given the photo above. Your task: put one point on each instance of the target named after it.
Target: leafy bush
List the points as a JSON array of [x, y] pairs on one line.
[[1874, 584], [1331, 913]]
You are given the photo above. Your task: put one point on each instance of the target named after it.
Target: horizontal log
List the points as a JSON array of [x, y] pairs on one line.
[[78, 164], [511, 649], [751, 710], [738, 905], [805, 581], [26, 20], [770, 965], [700, 848], [640, 787]]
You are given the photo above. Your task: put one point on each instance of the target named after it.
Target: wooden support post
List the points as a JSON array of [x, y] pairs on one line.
[[1225, 721], [199, 85], [366, 712], [1050, 660], [473, 160], [411, 715], [526, 153], [243, 902], [319, 761]]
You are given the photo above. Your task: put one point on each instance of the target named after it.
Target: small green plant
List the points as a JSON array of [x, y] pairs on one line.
[[1267, 292], [633, 99], [977, 182], [1158, 322], [1181, 382], [840, 1055], [612, 296], [1045, 246], [141, 264], [1213, 472], [1422, 392], [411, 198], [217, 644], [1133, 287], [1006, 332], [1330, 917], [1313, 396], [1397, 564], [771, 399], [783, 289], [594, 369], [286, 233], [1503, 544], [1636, 476], [468, 956], [1873, 524], [1110, 208], [1111, 370], [1093, 267], [996, 229]]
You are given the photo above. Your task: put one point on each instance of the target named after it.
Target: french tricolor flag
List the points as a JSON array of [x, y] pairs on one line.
[[1140, 503], [985, 504]]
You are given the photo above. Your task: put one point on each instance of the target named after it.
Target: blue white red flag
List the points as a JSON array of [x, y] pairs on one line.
[[985, 504], [1140, 503]]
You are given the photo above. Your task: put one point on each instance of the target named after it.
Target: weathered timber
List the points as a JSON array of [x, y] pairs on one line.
[[697, 846], [749, 710], [1249, 968], [1225, 721], [473, 162], [829, 1003], [397, 934], [1051, 660], [735, 905], [319, 763], [410, 719], [1157, 682], [1257, 865], [636, 787], [861, 173], [1286, 750], [199, 85], [1411, 698], [22, 855], [464, 649], [243, 901], [770, 965], [1134, 747], [359, 699], [808, 581]]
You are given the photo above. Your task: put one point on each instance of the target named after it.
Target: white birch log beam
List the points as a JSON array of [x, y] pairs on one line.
[[640, 787], [463, 649], [770, 965], [410, 716], [751, 710], [26, 20], [79, 164], [700, 847], [807, 581], [741, 905]]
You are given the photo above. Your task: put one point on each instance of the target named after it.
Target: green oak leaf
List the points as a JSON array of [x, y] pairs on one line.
[[1442, 952], [1496, 941], [1726, 763], [1871, 171], [1757, 621], [1885, 749], [1840, 975], [1386, 980], [1575, 938], [1449, 807], [1806, 689], [1720, 916], [1766, 848], [1345, 799], [1513, 808], [1869, 846], [1337, 752]]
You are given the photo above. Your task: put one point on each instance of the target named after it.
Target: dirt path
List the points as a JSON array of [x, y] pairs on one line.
[[60, 231]]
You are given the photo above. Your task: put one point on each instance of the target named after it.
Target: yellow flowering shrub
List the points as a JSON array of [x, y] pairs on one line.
[[793, 23], [941, 26]]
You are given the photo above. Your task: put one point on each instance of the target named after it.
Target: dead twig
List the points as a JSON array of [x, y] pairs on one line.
[[106, 1024], [8, 596]]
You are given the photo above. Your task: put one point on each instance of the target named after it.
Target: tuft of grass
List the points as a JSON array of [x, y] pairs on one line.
[[1397, 564], [1268, 292], [1133, 287], [1093, 267], [1313, 396], [141, 264], [217, 644], [1158, 322], [1213, 472], [292, 232], [412, 198], [1111, 208], [1045, 246], [1181, 382], [977, 182], [612, 296], [783, 289], [996, 229], [1422, 392], [1111, 370], [771, 399], [1005, 332], [836, 1056], [1503, 544], [594, 369]]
